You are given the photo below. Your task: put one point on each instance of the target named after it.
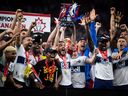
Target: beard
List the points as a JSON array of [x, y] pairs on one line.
[[103, 48], [63, 52], [28, 47]]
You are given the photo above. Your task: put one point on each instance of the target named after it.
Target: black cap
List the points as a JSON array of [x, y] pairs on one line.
[[81, 38], [36, 38], [103, 37], [50, 50], [6, 37]]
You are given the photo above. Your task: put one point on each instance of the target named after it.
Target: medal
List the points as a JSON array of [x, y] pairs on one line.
[[4, 78], [65, 72]]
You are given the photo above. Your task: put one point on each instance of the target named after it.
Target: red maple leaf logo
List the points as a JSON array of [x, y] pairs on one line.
[[40, 26]]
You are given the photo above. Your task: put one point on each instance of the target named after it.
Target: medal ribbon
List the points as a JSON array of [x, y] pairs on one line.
[[6, 70], [36, 58], [53, 64], [104, 54], [64, 60], [28, 62], [51, 71]]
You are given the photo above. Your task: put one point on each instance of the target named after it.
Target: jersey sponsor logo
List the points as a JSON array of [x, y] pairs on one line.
[[63, 67], [75, 69]]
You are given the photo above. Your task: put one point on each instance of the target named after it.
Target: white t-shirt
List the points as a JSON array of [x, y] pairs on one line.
[[78, 72], [66, 72], [104, 69], [121, 71]]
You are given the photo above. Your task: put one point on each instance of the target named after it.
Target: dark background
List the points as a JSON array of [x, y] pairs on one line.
[[53, 7]]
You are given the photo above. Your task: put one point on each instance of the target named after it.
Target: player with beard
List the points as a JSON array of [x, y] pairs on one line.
[[103, 63], [64, 59], [36, 50], [21, 61], [121, 66]]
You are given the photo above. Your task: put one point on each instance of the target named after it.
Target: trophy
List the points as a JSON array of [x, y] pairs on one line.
[[68, 14]]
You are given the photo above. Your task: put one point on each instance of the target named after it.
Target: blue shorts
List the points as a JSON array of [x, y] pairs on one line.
[[103, 84]]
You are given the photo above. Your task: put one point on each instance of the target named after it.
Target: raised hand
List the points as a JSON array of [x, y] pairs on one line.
[[19, 14], [85, 19], [96, 51], [93, 15], [33, 24], [118, 17], [113, 10], [57, 21]]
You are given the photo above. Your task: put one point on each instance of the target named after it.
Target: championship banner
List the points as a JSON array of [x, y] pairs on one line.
[[43, 21]]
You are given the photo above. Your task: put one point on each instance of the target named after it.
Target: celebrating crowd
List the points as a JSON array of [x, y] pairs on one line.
[[97, 60]]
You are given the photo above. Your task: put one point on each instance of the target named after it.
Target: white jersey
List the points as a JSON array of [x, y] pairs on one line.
[[66, 72], [121, 71], [78, 72], [104, 69], [20, 64]]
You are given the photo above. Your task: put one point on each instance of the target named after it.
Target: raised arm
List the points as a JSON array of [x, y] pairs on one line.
[[56, 40], [17, 14], [53, 33], [92, 59], [112, 23], [8, 42], [2, 34], [73, 37], [62, 36], [33, 24]]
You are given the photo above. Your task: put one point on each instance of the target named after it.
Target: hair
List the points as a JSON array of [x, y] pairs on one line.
[[122, 38], [24, 29], [25, 37], [61, 42]]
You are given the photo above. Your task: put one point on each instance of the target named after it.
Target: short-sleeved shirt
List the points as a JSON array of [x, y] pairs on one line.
[[120, 70], [78, 72], [48, 74]]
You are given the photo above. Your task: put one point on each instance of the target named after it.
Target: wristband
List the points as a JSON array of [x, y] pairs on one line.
[[35, 80]]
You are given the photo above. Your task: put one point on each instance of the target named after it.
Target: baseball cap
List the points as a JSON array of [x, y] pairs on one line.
[[81, 38], [103, 37], [50, 50], [37, 38]]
